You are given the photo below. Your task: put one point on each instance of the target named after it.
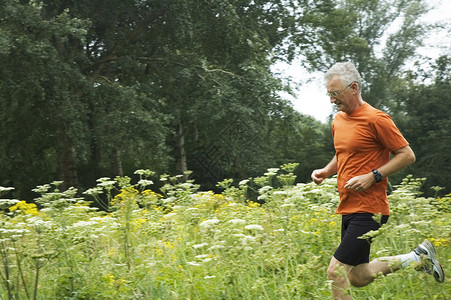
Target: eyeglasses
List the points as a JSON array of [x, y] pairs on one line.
[[336, 93]]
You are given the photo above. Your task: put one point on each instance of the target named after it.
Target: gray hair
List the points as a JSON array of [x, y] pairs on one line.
[[347, 72]]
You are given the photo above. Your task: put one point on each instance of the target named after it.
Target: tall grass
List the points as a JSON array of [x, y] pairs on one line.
[[181, 243]]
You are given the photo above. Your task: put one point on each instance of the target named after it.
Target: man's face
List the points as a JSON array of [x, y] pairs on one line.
[[339, 94]]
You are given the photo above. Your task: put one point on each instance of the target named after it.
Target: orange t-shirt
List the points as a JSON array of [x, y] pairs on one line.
[[363, 141]]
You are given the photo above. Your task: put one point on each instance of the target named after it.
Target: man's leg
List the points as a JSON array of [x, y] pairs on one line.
[[364, 274], [338, 274], [343, 275]]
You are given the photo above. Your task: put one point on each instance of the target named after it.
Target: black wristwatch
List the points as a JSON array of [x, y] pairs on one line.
[[377, 175]]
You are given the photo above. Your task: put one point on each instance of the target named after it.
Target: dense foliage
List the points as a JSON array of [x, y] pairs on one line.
[[186, 244], [101, 88]]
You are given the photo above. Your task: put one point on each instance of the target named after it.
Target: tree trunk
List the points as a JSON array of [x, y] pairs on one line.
[[67, 167], [180, 151], [118, 163]]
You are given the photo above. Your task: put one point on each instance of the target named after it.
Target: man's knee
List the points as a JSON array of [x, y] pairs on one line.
[[337, 271], [360, 276]]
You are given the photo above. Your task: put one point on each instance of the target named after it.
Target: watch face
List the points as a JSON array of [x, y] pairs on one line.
[[377, 176]]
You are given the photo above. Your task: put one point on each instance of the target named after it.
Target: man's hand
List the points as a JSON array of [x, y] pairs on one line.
[[360, 183], [319, 175]]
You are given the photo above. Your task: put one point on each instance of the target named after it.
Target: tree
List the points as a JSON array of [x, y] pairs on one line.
[[99, 88], [426, 123], [360, 31], [40, 118]]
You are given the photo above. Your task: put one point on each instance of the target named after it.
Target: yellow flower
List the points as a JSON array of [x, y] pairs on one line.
[[253, 204], [439, 242], [25, 208], [124, 195]]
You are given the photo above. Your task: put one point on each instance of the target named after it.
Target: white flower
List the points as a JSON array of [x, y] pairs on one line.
[[280, 193], [103, 179], [243, 182], [265, 189], [145, 182], [208, 223], [288, 205], [193, 263], [197, 246], [237, 221], [94, 191], [262, 197], [253, 227], [8, 202], [84, 223], [208, 277], [144, 172], [215, 247], [107, 184]]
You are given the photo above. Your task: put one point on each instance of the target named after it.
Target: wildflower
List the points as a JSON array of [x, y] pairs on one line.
[[236, 221], [193, 263], [262, 197], [8, 202], [42, 189], [207, 259], [84, 223], [208, 223], [216, 247], [439, 242], [265, 189], [145, 182], [144, 172], [253, 227], [5, 189], [94, 191], [107, 184], [197, 246], [209, 277], [253, 204], [25, 208], [243, 182], [272, 171], [280, 193]]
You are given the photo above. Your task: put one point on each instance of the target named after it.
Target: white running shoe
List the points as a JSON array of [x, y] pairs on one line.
[[431, 265]]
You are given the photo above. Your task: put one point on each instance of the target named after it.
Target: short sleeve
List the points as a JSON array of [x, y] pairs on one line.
[[388, 134]]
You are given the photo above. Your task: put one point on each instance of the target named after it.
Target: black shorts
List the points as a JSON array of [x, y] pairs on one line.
[[352, 250]]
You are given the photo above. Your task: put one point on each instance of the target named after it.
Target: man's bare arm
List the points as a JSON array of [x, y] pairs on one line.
[[320, 174], [402, 158]]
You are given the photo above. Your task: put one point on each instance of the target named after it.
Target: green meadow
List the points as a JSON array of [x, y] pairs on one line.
[[182, 243]]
